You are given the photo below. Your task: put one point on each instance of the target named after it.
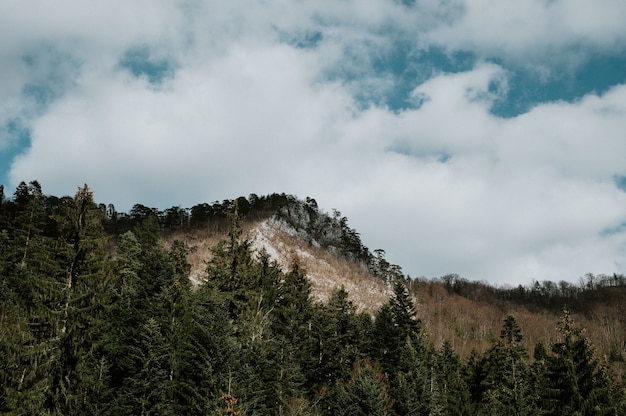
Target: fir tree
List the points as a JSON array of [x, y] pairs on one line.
[[368, 391], [335, 341], [578, 384], [395, 323], [80, 383], [509, 381], [449, 393]]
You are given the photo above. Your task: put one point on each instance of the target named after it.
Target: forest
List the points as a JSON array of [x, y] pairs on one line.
[[99, 317]]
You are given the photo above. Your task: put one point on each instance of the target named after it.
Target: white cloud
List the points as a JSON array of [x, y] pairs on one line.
[[447, 187], [528, 197], [534, 32]]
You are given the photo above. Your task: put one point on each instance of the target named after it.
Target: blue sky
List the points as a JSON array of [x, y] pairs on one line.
[[467, 136]]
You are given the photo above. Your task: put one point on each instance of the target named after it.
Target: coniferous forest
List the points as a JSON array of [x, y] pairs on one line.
[[98, 317]]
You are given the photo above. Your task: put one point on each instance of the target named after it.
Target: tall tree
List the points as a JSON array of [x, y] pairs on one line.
[[395, 323], [155, 316], [336, 339], [65, 291], [32, 302], [510, 384], [449, 393], [210, 355], [368, 391], [79, 381], [578, 383], [402, 351], [230, 270]]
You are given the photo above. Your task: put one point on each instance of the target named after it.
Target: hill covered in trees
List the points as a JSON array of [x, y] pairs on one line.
[[98, 315]]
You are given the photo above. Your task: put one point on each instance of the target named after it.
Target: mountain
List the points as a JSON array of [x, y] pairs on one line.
[[468, 314], [325, 269], [269, 305]]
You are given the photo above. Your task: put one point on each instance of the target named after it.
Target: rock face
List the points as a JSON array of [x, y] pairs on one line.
[[326, 268]]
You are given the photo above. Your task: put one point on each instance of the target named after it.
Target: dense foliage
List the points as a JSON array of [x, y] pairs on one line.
[[96, 325]]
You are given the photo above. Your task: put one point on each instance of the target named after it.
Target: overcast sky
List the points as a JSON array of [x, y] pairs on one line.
[[480, 137]]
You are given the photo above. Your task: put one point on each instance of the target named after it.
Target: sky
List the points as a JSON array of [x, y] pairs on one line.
[[479, 137]]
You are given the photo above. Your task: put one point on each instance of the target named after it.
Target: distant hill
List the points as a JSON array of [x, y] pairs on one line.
[[271, 304], [467, 313]]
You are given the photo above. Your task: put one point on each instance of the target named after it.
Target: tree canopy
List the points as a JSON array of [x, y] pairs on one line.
[[97, 323]]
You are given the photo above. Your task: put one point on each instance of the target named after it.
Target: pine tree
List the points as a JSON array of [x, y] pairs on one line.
[[32, 302], [475, 372], [269, 312], [128, 311], [334, 344], [368, 391], [230, 271], [128, 265], [395, 323], [402, 351], [149, 389], [412, 385], [292, 332], [80, 378], [510, 383], [154, 312], [209, 356], [64, 293], [578, 383], [449, 393]]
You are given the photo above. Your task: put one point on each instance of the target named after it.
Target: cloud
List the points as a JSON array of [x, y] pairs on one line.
[[514, 200], [238, 115], [176, 103], [550, 35]]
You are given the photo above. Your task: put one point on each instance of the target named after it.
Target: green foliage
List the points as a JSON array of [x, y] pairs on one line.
[[394, 326], [336, 343], [577, 383], [367, 391], [510, 385], [92, 326], [449, 393]]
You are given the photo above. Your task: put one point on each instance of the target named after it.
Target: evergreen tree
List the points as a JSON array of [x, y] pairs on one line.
[[412, 386], [230, 271], [335, 342], [178, 255], [402, 352], [509, 383], [154, 310], [128, 265], [31, 303], [128, 311], [149, 391], [475, 372], [210, 354], [80, 377], [449, 393], [578, 384], [270, 312], [291, 332], [368, 391], [395, 323], [64, 293]]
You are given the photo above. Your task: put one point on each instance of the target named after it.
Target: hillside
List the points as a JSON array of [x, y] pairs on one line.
[[325, 270], [270, 304], [468, 314]]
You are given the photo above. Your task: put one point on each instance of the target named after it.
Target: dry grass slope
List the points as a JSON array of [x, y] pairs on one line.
[[325, 270], [468, 324]]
